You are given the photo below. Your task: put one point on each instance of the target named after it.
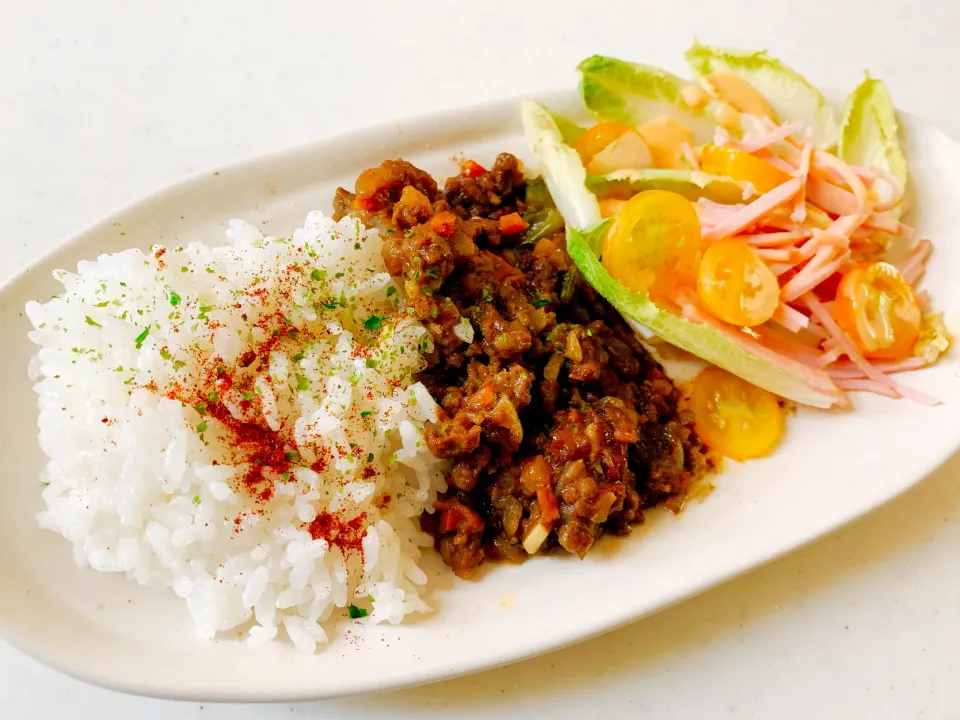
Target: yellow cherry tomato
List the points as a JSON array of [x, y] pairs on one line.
[[610, 206], [877, 308], [734, 417], [736, 285], [654, 243], [596, 138], [742, 166], [740, 94]]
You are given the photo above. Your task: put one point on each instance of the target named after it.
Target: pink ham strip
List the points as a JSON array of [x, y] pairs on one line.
[[764, 141], [888, 223], [778, 162], [775, 221], [812, 275], [774, 239], [923, 299], [830, 357], [754, 211], [896, 186], [912, 268], [843, 341], [820, 239], [865, 385], [713, 213], [851, 351], [845, 225], [799, 213], [829, 197], [790, 318], [784, 344], [849, 177], [688, 155], [846, 371], [778, 254]]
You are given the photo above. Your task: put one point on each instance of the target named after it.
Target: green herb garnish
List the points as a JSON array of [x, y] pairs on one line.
[[91, 321], [356, 612], [141, 337], [373, 323]]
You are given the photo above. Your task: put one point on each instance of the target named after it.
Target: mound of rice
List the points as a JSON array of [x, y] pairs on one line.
[[240, 423]]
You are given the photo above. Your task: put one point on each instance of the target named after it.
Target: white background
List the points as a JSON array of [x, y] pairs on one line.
[[101, 102]]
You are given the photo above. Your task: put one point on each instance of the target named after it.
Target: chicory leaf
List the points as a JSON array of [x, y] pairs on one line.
[[618, 91]]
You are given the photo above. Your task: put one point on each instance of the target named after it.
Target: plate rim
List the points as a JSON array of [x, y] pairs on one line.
[[372, 133]]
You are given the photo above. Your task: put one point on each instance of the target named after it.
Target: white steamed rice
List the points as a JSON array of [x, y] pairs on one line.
[[146, 485]]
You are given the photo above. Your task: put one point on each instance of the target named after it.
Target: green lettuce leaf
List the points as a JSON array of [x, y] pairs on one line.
[[562, 169], [691, 184], [569, 130], [789, 94], [792, 381], [869, 132], [629, 93]]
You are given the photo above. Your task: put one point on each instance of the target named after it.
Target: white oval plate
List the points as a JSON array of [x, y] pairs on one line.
[[105, 629]]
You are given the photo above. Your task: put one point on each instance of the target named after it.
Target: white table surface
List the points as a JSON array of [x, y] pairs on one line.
[[101, 102]]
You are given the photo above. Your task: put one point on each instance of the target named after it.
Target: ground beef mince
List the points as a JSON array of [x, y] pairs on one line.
[[558, 424]]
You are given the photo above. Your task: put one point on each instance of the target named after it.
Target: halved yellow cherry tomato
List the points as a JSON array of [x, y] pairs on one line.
[[736, 285], [654, 243], [596, 138], [734, 417], [740, 94], [739, 165], [610, 206], [877, 308]]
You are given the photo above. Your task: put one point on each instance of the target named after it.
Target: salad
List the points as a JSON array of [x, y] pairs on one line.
[[734, 216]]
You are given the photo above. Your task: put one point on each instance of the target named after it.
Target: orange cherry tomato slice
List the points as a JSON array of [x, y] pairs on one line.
[[736, 285], [734, 417], [596, 138], [878, 309], [654, 243], [742, 166]]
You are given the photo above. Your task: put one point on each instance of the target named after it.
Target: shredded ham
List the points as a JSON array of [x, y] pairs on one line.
[[688, 155], [790, 318], [799, 213], [778, 134], [815, 272], [897, 188], [773, 239], [780, 163], [754, 211], [849, 370], [890, 224], [868, 386], [830, 357], [913, 267], [841, 339], [831, 198]]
